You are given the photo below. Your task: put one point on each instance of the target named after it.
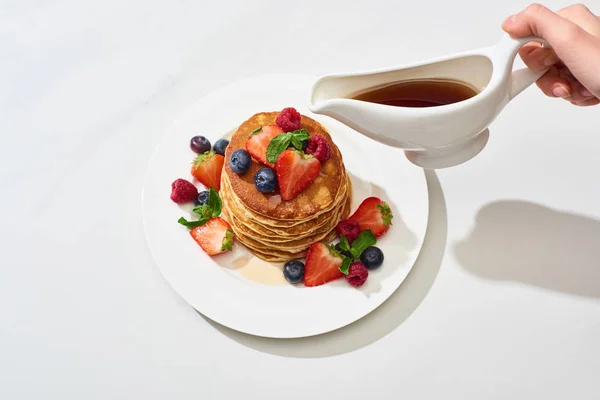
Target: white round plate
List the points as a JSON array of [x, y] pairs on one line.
[[229, 288]]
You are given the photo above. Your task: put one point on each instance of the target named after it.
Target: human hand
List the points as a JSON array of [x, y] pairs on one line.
[[574, 59]]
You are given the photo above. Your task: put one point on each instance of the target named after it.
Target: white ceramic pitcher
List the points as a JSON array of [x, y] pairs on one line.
[[432, 137]]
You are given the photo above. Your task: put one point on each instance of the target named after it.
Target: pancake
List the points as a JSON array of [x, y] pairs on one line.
[[276, 230], [317, 197], [264, 228], [293, 243]]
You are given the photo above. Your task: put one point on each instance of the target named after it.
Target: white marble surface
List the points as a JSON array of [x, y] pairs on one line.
[[510, 308]]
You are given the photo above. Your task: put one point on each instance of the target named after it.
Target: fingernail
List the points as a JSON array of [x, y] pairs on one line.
[[508, 22], [586, 93], [560, 91]]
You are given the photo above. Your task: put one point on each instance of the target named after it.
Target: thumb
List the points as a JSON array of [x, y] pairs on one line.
[[563, 35], [567, 39], [537, 20]]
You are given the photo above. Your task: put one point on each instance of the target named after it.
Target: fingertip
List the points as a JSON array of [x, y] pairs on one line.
[[509, 23], [561, 91], [553, 86]]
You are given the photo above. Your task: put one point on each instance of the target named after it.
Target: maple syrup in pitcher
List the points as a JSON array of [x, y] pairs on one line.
[[419, 93]]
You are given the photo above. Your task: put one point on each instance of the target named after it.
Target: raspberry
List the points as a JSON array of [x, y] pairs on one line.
[[357, 274], [183, 191], [319, 148], [288, 119], [349, 228]]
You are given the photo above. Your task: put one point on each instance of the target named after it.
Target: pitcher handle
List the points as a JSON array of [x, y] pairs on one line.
[[506, 51]]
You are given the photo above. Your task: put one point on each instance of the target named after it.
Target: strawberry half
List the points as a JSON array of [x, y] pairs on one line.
[[214, 237], [322, 265], [373, 214], [258, 142], [295, 171], [207, 168]]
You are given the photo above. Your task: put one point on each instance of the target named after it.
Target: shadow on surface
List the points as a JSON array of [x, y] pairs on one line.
[[527, 242], [383, 320]]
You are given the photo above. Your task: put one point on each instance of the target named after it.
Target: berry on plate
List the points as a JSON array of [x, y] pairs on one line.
[[372, 257], [199, 144], [319, 148], [202, 198], [258, 142], [183, 191], [348, 228], [293, 271], [220, 146], [240, 161], [357, 274], [265, 180], [295, 171], [214, 237], [207, 169], [289, 119], [373, 214], [322, 265]]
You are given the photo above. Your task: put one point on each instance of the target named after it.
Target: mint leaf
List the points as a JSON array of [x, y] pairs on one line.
[[301, 134], [345, 265], [211, 209], [277, 145], [364, 240], [214, 202], [227, 242], [297, 143], [344, 244], [202, 210], [257, 130], [192, 224], [386, 213]]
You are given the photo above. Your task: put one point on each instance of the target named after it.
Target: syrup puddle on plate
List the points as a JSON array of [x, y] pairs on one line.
[[256, 270]]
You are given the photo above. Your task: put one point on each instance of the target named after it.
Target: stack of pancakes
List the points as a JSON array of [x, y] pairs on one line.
[[276, 230]]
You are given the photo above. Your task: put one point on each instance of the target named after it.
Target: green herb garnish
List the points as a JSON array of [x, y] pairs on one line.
[[345, 265], [211, 209], [364, 240], [281, 142], [192, 224]]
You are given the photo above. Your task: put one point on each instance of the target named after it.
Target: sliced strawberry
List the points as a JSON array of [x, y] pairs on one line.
[[207, 168], [258, 142], [373, 214], [214, 237], [295, 171], [322, 265]]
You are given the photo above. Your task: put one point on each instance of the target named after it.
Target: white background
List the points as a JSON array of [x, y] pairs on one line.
[[510, 308]]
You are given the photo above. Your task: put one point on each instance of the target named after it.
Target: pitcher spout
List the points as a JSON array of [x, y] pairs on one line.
[[324, 97]]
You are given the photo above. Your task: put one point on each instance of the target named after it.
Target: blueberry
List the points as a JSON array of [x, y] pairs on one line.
[[240, 161], [265, 180], [372, 257], [199, 144], [220, 146], [202, 198], [294, 271], [304, 145], [344, 252]]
